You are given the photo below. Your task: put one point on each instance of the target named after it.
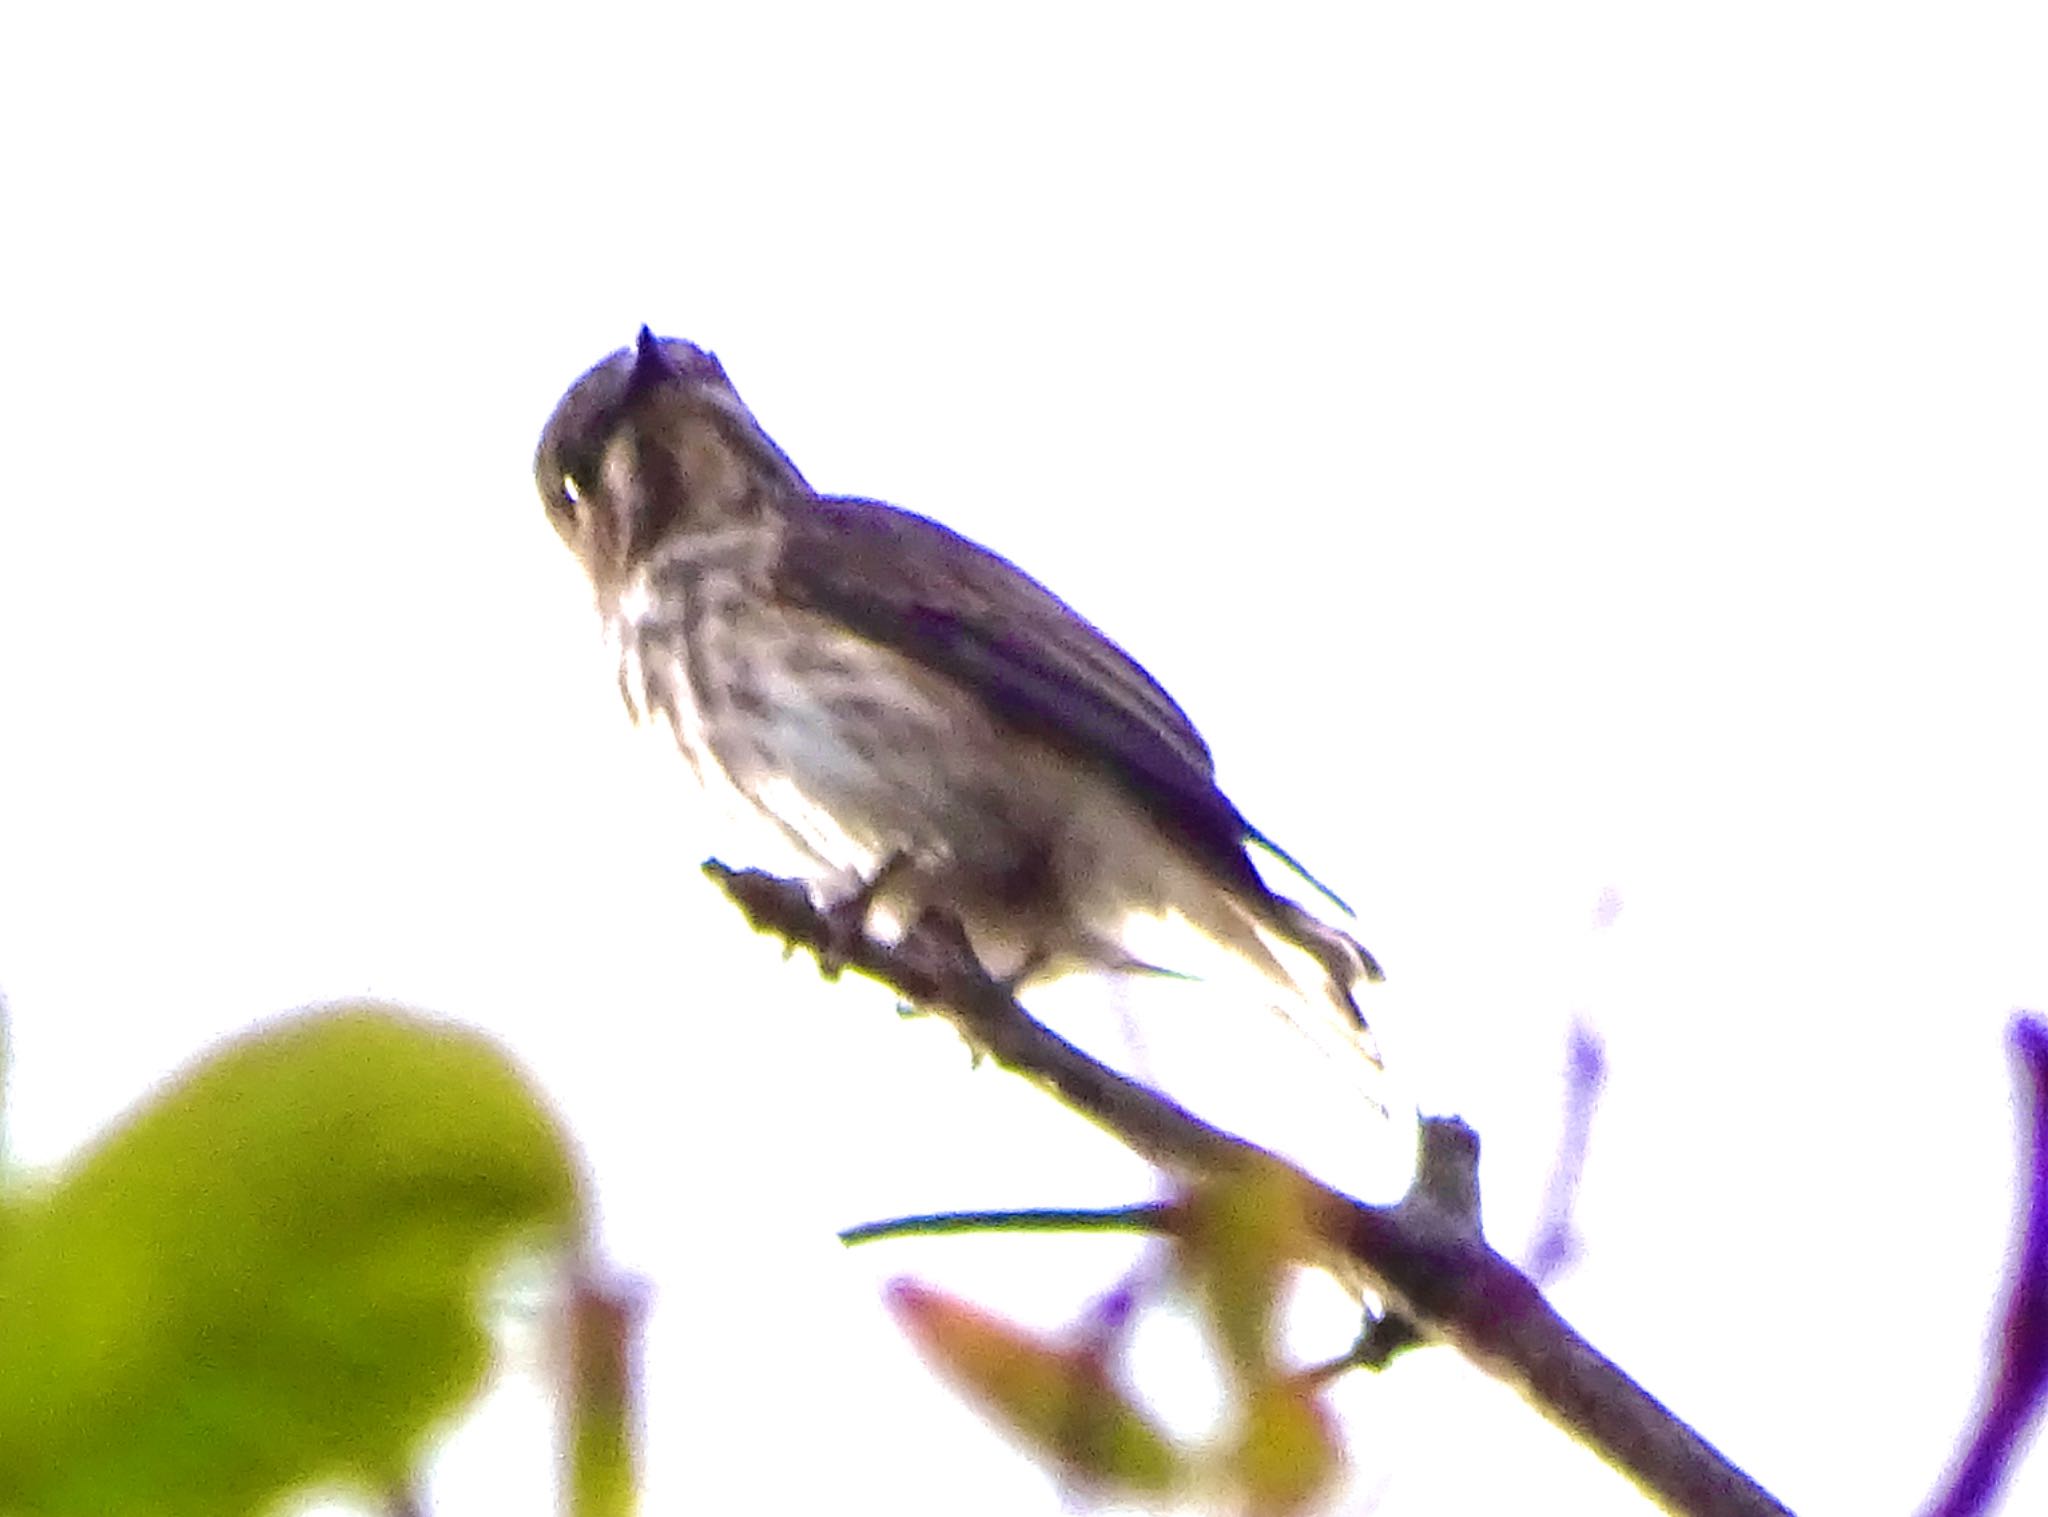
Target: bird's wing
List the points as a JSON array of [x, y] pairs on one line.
[[907, 582]]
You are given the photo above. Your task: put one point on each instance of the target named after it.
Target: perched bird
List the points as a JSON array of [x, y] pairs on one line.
[[913, 720]]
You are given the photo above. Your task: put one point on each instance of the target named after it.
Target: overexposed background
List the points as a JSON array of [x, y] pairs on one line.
[[1557, 453]]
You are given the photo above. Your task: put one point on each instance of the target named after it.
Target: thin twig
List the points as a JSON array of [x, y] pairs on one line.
[[1556, 1244], [1149, 1218], [2018, 1379]]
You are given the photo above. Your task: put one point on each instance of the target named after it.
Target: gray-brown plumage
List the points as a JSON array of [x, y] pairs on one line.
[[909, 718]]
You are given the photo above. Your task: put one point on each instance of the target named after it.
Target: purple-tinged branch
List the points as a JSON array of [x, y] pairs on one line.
[[2019, 1375]]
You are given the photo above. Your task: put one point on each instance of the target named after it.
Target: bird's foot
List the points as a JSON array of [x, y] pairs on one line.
[[846, 921]]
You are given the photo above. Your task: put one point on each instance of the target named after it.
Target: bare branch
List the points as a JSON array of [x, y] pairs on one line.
[[2018, 1380], [1429, 1262]]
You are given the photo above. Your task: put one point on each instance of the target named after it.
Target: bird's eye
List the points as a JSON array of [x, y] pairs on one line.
[[571, 497]]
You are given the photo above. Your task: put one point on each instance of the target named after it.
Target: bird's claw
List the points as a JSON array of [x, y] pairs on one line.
[[846, 922], [846, 926]]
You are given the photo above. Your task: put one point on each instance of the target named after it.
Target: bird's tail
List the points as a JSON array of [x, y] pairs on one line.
[[1314, 968]]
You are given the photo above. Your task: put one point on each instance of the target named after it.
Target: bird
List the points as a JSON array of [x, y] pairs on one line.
[[907, 718]]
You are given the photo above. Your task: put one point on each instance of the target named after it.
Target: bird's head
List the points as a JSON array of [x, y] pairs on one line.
[[651, 442]]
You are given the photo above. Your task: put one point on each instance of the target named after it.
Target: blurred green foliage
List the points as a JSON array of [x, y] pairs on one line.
[[269, 1274]]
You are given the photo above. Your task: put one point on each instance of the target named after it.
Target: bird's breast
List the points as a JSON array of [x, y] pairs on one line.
[[822, 745]]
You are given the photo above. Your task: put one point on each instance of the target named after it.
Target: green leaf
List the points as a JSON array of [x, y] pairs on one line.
[[1056, 1398], [269, 1274], [1286, 1456], [1237, 1236]]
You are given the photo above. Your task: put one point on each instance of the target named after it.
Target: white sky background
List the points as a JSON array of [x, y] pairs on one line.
[[1551, 450]]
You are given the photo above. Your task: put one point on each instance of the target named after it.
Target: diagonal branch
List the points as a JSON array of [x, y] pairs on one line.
[[1431, 1265]]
